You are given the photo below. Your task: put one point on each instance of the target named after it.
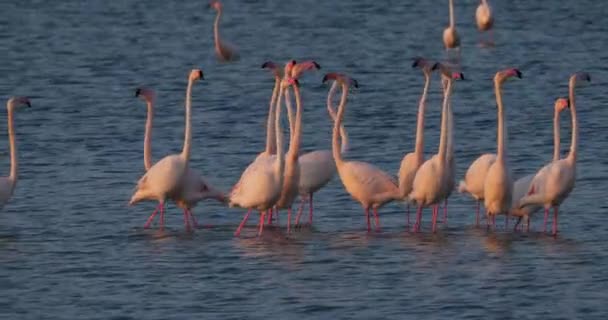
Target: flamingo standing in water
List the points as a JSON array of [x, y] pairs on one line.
[[451, 168], [550, 189], [428, 188], [223, 51], [261, 183], [522, 185], [451, 40], [194, 187], [412, 161], [366, 183], [498, 185], [484, 19], [7, 184], [317, 167], [165, 178]]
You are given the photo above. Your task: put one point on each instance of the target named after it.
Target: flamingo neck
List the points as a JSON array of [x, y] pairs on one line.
[[574, 143], [290, 116], [451, 14], [13, 148], [188, 130], [444, 124], [271, 147], [419, 149], [556, 135], [148, 136], [500, 152], [296, 138], [216, 32], [332, 114], [337, 124], [450, 138], [279, 139]]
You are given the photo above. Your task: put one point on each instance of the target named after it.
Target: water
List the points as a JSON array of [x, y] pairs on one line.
[[70, 248]]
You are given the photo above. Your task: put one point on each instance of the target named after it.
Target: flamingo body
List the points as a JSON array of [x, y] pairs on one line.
[[483, 16], [474, 179]]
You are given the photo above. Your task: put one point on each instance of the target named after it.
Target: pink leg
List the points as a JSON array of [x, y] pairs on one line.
[[493, 222], [434, 217], [300, 209], [377, 219], [545, 221], [445, 211], [238, 230], [162, 216], [262, 216], [528, 224], [151, 217], [194, 221], [506, 221], [269, 216], [418, 219], [288, 220], [186, 220], [369, 228], [408, 217], [517, 224], [477, 214], [310, 210], [555, 221]]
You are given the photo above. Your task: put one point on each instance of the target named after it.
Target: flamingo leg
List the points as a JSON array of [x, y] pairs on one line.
[[408, 217], [528, 224], [377, 219], [288, 220], [310, 210], [151, 217], [186, 220], [545, 221], [299, 214], [162, 216], [369, 228], [477, 214], [269, 216], [238, 230], [506, 221], [194, 221], [555, 221], [445, 211], [262, 218], [418, 218], [517, 224]]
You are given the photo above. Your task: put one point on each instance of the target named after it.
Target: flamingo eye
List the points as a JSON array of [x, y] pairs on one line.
[[204, 188]]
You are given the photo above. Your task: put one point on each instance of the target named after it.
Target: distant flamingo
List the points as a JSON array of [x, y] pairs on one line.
[[194, 187], [317, 167], [223, 51], [164, 179], [430, 180], [366, 183], [261, 183], [451, 40], [291, 174], [522, 185], [498, 185], [412, 161], [7, 184], [484, 18], [552, 190]]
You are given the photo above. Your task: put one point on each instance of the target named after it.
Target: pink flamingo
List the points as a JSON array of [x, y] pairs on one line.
[[223, 51]]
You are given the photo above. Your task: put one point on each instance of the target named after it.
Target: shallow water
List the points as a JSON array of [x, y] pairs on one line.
[[70, 248]]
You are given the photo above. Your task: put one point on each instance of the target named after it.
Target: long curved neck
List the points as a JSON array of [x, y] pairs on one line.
[[148, 136], [188, 130], [296, 136], [332, 114], [337, 124], [216, 31], [450, 138], [290, 116], [556, 135], [13, 148], [279, 138], [444, 123], [419, 149], [574, 143], [271, 147], [500, 140], [451, 13]]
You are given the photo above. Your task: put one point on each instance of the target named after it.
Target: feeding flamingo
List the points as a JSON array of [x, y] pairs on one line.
[[551, 190], [223, 51], [484, 18], [366, 183], [522, 185], [498, 185], [8, 184], [164, 179]]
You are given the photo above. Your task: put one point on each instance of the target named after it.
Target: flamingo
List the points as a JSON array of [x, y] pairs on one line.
[[261, 183], [451, 168], [223, 51], [8, 184], [164, 179], [428, 188], [551, 190], [367, 184], [522, 185], [498, 186], [484, 18], [291, 175], [194, 187], [451, 40], [412, 161], [317, 167]]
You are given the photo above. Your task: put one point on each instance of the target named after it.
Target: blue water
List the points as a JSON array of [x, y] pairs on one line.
[[70, 248]]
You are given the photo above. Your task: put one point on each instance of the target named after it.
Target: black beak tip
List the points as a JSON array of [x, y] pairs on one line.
[[200, 74], [435, 66], [318, 66], [324, 79], [519, 74], [355, 83], [137, 92]]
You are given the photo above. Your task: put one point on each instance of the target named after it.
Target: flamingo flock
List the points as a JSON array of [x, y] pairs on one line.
[[279, 177]]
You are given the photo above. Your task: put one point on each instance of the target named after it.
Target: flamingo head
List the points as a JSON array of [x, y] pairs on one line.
[[288, 67], [215, 4], [301, 67], [18, 102], [424, 64], [341, 78], [503, 75], [273, 67], [561, 104], [584, 76], [446, 72], [209, 192], [145, 93], [196, 74]]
